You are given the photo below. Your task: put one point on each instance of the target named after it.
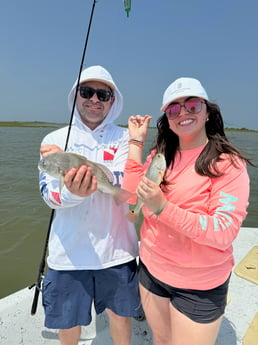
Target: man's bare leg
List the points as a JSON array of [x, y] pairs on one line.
[[70, 336], [120, 328]]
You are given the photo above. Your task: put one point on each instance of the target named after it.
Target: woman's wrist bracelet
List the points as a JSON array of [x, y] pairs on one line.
[[136, 142], [159, 210]]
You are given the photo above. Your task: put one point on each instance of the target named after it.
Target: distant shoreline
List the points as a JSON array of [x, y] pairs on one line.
[[35, 124], [38, 124]]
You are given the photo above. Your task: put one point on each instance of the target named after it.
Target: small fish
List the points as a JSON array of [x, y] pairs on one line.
[[57, 165], [155, 173]]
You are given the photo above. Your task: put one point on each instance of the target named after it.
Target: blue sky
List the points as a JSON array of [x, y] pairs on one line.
[[213, 41]]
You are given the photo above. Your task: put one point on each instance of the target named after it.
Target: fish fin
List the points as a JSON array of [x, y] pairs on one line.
[[83, 158], [107, 172], [61, 184], [161, 175], [132, 216], [121, 196]]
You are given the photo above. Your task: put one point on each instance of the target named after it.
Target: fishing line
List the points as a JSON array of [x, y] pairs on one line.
[[43, 263]]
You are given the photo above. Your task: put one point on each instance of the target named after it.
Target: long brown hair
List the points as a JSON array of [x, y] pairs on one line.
[[167, 142]]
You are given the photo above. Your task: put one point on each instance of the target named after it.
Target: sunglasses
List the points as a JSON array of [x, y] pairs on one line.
[[88, 92], [191, 105]]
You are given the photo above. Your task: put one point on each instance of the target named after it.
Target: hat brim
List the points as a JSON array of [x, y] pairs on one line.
[[112, 86], [164, 107]]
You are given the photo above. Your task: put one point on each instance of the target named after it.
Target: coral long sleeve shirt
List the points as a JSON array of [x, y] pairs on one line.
[[190, 244]]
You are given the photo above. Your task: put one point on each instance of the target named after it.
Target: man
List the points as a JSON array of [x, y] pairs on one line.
[[92, 246]]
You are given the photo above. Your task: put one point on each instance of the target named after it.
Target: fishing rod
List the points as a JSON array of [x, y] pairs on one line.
[[42, 265]]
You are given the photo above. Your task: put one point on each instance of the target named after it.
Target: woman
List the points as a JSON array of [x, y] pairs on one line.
[[191, 219]]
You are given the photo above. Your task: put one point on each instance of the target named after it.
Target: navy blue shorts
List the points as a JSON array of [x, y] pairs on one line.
[[68, 295], [202, 306]]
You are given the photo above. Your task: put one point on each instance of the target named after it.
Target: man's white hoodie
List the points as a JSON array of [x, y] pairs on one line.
[[90, 232]]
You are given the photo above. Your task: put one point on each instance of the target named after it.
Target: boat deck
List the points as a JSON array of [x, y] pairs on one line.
[[19, 327]]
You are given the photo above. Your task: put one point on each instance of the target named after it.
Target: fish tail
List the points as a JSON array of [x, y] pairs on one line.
[[121, 196], [133, 214]]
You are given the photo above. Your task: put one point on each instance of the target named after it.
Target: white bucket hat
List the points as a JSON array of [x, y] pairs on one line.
[[183, 87]]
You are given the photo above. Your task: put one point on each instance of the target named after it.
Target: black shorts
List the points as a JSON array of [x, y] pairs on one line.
[[200, 306]]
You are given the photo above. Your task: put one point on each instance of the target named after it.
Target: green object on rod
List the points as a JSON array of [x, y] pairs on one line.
[[127, 6]]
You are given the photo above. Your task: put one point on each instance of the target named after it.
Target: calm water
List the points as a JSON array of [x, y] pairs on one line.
[[24, 217]]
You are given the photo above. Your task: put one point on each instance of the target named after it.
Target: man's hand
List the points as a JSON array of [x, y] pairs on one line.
[[80, 181], [46, 150]]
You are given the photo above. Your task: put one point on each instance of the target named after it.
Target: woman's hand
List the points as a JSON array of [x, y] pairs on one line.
[[138, 127], [46, 150], [150, 194]]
